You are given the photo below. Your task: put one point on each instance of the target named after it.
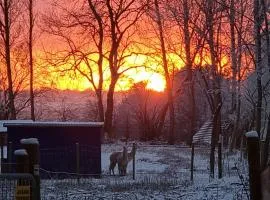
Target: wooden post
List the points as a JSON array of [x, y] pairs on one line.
[[219, 160], [192, 162], [22, 166], [133, 161], [78, 161], [9, 157], [22, 161], [253, 149], [32, 147]]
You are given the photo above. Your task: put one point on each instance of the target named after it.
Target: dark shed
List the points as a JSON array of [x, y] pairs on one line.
[[58, 152]]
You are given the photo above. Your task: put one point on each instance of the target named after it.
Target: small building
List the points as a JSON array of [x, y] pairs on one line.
[[62, 144], [204, 134]]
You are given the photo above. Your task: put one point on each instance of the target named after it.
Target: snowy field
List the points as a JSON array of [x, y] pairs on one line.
[[162, 172]]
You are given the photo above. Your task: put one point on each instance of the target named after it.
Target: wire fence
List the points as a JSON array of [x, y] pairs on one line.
[[161, 169], [76, 158], [17, 186]]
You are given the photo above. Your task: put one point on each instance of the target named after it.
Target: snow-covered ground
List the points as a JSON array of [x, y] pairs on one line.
[[162, 172]]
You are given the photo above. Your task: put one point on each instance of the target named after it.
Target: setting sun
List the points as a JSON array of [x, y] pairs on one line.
[[156, 82]]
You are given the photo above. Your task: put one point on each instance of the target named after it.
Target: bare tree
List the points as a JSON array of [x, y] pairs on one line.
[[237, 14], [111, 25], [7, 9], [258, 60], [84, 20], [185, 14], [141, 108], [31, 63], [233, 52], [210, 29], [267, 53], [123, 18], [157, 18]]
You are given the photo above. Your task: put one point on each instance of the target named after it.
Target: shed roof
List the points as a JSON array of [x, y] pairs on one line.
[[204, 134], [53, 124], [3, 129]]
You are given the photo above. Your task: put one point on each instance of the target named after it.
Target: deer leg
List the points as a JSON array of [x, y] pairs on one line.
[[111, 168], [119, 169], [125, 170]]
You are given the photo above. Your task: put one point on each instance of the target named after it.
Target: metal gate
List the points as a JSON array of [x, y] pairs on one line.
[[17, 186]]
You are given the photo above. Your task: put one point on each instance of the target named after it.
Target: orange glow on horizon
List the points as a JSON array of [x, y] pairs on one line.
[[148, 71], [154, 81], [151, 75]]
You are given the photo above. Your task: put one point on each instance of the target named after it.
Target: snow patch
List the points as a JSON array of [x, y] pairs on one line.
[[252, 134], [20, 152], [3, 129], [4, 151], [29, 141]]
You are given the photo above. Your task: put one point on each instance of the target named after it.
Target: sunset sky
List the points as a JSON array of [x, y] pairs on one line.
[[149, 68]]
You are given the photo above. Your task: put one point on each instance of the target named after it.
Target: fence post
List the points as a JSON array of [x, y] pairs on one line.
[[78, 161], [32, 147], [253, 149], [9, 157], [22, 163], [133, 160], [219, 160], [192, 162], [23, 187]]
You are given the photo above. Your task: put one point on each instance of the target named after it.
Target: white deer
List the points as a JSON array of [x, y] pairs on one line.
[[130, 156], [122, 163], [122, 159], [116, 158]]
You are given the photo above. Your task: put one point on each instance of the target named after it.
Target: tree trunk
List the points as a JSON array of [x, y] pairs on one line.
[[238, 82], [162, 116], [258, 64], [266, 31], [100, 105], [11, 104], [215, 84], [30, 48], [267, 139], [110, 108], [190, 73], [233, 54], [214, 139], [266, 146], [167, 75], [100, 60]]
